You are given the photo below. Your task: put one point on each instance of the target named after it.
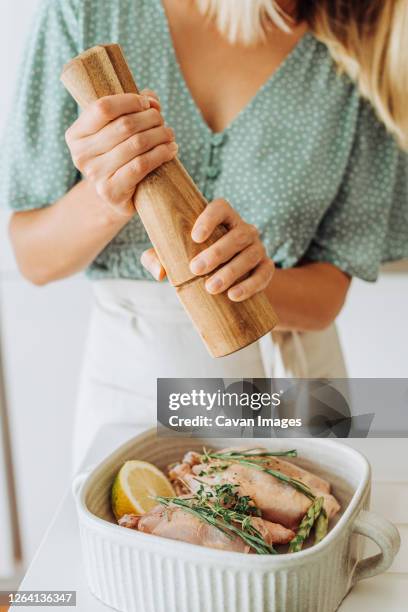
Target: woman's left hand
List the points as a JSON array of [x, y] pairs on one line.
[[239, 257]]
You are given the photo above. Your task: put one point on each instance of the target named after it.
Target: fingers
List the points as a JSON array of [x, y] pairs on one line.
[[107, 164], [121, 185], [113, 134], [151, 262], [256, 282], [216, 213], [247, 269], [117, 141], [239, 238], [235, 269], [150, 94], [98, 114]]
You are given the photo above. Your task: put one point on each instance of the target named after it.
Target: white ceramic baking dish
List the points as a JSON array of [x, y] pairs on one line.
[[132, 571]]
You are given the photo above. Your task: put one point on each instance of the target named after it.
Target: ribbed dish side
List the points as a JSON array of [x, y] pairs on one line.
[[130, 580]]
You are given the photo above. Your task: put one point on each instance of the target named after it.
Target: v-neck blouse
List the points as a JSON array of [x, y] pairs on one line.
[[306, 160]]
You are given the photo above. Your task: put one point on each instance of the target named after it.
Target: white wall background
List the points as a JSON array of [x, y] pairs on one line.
[[44, 332], [43, 335]]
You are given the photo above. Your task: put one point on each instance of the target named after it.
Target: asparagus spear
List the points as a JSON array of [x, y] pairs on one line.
[[321, 527], [306, 525]]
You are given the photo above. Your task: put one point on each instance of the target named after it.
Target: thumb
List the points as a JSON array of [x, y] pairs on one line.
[[151, 262]]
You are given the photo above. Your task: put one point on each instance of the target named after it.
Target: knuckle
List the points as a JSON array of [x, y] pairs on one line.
[[140, 166], [264, 275], [103, 108], [230, 274], [162, 154], [141, 141], [216, 254], [79, 160], [104, 190], [138, 142], [155, 116], [242, 237], [253, 230], [254, 257], [125, 125], [90, 171], [135, 143]]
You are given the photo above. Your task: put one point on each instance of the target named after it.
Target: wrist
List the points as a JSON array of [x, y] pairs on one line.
[[107, 215], [118, 213]]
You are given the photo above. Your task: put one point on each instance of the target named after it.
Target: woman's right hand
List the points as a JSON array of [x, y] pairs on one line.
[[117, 141]]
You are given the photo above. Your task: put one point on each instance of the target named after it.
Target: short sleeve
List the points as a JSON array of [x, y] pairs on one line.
[[36, 168], [367, 224]]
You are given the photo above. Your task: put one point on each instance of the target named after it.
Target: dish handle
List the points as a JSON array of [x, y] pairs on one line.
[[79, 480], [387, 538]]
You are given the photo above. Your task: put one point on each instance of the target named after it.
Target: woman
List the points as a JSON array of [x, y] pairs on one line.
[[309, 162]]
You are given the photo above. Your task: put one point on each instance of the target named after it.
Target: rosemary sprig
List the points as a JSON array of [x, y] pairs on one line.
[[252, 452], [296, 484], [222, 507], [250, 458], [249, 534], [306, 525]]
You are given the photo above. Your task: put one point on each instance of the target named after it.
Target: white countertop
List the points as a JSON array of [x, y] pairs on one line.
[[58, 564]]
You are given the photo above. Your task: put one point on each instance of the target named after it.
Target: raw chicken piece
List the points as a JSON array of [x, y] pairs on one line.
[[129, 520], [294, 471], [174, 523], [192, 459], [278, 501]]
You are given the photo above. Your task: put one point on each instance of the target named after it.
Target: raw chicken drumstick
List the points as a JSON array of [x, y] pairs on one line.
[[176, 524]]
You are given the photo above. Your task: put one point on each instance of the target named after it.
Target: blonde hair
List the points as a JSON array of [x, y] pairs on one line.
[[368, 39], [243, 21]]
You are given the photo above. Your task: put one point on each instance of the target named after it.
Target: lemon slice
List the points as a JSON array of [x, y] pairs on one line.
[[136, 486]]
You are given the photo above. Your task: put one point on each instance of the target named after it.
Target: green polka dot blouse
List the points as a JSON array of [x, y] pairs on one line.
[[306, 160]]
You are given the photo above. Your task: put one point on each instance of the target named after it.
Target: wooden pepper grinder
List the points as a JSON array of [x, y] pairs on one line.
[[169, 203]]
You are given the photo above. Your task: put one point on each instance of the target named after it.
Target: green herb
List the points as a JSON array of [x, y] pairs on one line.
[[218, 467], [251, 453], [321, 527], [306, 525], [222, 507], [250, 458]]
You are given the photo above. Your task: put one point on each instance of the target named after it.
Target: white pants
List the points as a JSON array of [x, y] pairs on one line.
[[140, 332]]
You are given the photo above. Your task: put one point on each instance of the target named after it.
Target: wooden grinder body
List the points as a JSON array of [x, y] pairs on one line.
[[169, 203]]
